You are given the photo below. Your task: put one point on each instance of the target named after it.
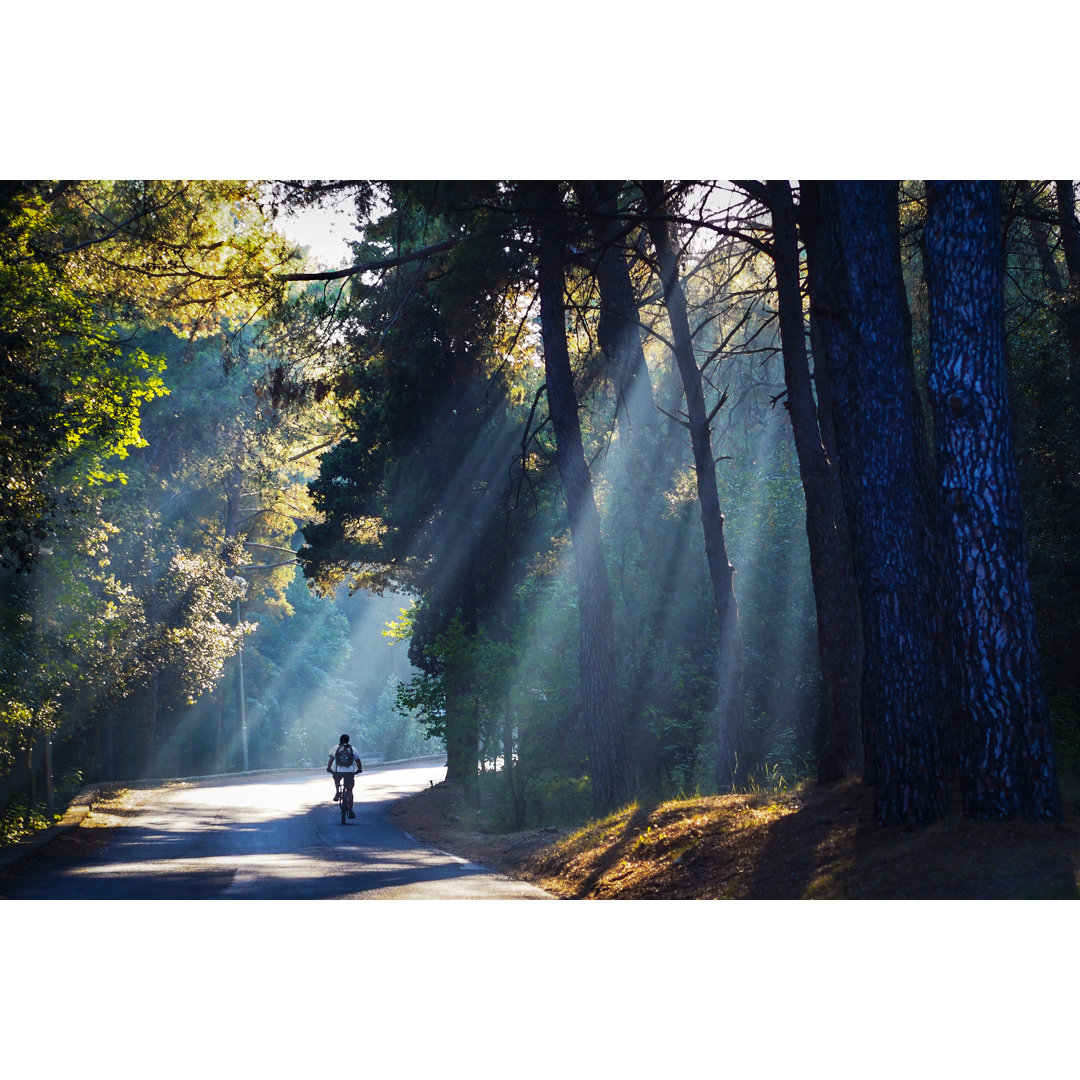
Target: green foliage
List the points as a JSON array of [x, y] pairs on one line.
[[554, 800], [548, 800], [462, 672], [83, 265], [185, 254], [392, 732], [70, 390], [120, 644], [423, 698], [20, 819], [193, 642]]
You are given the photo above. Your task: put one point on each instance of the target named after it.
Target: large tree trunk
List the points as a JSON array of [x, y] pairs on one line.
[[721, 572], [1007, 757], [858, 303], [462, 741], [605, 735], [829, 540]]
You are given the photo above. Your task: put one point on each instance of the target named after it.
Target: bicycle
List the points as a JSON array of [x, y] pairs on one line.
[[346, 802]]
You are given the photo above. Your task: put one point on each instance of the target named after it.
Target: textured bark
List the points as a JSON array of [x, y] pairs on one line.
[[605, 735], [721, 572], [858, 304], [831, 566], [1007, 758]]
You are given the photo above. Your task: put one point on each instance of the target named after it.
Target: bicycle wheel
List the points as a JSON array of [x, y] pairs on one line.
[[346, 801]]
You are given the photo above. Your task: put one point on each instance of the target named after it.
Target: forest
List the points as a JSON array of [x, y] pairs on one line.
[[607, 489]]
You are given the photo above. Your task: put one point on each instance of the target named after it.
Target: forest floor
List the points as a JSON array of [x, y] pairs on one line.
[[812, 842]]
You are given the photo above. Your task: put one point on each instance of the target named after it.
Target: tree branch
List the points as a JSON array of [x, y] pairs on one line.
[[315, 449], [373, 264], [680, 420], [269, 547]]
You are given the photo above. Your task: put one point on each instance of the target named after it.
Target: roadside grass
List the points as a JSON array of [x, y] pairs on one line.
[[18, 822], [804, 841], [809, 842]]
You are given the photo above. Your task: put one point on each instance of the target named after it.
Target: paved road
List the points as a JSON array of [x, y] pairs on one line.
[[272, 837]]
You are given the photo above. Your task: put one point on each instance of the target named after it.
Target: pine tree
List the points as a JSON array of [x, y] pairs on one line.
[[1006, 750], [859, 308]]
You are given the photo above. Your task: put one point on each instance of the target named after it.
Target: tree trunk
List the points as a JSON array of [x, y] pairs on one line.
[[859, 305], [462, 725], [605, 735], [619, 334], [1007, 755], [831, 565], [1070, 229], [1037, 228], [721, 572], [462, 740], [644, 453], [1070, 243], [619, 328]]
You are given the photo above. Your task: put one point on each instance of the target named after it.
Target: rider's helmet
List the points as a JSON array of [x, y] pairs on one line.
[[344, 738]]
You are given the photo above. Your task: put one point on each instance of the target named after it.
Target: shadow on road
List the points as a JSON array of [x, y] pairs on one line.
[[184, 847]]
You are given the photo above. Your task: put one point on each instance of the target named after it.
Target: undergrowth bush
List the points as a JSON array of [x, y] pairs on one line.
[[16, 825], [548, 799]]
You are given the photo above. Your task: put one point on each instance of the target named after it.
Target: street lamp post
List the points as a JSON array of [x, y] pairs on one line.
[[243, 703], [50, 803], [50, 799]]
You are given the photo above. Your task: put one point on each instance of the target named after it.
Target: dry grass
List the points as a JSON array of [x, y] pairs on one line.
[[809, 843]]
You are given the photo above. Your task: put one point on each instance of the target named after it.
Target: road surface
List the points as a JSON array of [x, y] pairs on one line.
[[276, 836]]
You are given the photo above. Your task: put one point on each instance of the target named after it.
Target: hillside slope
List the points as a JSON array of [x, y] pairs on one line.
[[811, 843]]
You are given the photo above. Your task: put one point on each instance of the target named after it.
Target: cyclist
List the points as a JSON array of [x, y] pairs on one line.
[[344, 764]]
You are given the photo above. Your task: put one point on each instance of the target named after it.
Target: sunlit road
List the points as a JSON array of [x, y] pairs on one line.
[[270, 837]]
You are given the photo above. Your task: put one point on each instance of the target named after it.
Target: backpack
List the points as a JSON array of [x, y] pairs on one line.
[[344, 756]]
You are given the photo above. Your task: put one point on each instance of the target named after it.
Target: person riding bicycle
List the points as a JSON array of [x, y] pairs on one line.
[[344, 764]]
